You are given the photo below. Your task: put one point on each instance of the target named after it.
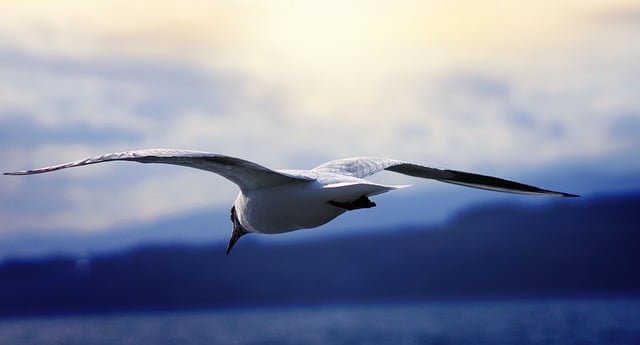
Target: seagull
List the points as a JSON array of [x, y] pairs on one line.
[[277, 201]]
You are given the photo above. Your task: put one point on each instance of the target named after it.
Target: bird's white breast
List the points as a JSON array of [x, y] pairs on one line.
[[284, 208]]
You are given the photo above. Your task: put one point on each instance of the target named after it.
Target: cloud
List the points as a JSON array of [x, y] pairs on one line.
[[459, 85], [622, 14], [19, 130], [153, 88], [625, 129], [475, 84]]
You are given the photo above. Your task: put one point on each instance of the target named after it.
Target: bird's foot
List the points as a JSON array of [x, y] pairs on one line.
[[361, 202]]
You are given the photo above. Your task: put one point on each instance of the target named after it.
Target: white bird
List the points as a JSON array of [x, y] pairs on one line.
[[277, 201]]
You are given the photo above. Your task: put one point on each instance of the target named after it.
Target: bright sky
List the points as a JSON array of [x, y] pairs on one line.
[[501, 87]]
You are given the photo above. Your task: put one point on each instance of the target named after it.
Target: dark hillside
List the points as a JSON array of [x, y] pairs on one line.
[[567, 247]]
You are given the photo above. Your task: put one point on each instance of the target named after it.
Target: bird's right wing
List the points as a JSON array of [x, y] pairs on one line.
[[361, 167], [247, 175], [471, 180]]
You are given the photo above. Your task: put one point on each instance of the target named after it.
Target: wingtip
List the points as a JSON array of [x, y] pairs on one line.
[[23, 172], [29, 172]]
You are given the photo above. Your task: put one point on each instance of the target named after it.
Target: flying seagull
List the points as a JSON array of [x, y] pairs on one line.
[[278, 201]]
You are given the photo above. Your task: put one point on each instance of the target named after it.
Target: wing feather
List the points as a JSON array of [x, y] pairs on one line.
[[359, 167], [471, 180], [247, 175], [364, 166]]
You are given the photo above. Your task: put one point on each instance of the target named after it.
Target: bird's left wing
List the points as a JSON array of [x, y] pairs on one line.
[[364, 166], [247, 175]]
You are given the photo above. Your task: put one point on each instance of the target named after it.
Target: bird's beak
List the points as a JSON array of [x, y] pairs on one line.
[[237, 232], [235, 236]]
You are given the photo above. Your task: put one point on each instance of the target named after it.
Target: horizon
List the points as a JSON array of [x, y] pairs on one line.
[[211, 228]]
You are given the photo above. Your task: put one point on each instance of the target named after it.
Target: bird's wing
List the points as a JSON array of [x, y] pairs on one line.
[[247, 175], [364, 166], [359, 167]]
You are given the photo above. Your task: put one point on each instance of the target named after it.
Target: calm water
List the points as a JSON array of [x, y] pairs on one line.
[[614, 321]]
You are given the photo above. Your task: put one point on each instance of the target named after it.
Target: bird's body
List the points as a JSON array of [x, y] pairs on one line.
[[277, 201], [301, 204]]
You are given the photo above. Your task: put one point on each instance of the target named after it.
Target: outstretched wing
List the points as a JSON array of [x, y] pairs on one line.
[[359, 167], [247, 175], [364, 166]]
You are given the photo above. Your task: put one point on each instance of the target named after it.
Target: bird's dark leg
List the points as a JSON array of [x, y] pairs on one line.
[[361, 202]]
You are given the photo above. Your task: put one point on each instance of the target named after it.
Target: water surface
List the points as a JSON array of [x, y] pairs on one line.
[[577, 321]]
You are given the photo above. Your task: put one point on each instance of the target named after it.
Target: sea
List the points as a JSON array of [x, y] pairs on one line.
[[525, 321]]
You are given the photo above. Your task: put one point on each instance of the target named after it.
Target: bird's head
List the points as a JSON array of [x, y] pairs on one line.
[[237, 230]]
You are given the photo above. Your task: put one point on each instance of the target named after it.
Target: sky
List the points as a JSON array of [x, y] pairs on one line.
[[518, 89]]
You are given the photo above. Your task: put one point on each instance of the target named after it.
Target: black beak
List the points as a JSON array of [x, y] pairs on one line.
[[234, 238], [237, 232]]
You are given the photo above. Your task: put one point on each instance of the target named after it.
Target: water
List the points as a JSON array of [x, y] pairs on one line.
[[583, 321]]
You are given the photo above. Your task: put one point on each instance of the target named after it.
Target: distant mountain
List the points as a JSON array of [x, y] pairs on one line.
[[585, 246], [208, 225], [212, 224]]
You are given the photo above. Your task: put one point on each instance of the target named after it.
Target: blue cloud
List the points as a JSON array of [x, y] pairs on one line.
[[626, 128], [556, 131], [30, 200], [477, 85], [522, 118], [18, 130], [169, 87]]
